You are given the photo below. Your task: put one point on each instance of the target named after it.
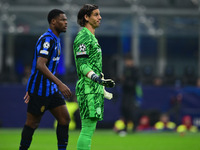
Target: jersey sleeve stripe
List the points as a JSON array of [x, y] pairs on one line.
[[82, 56]]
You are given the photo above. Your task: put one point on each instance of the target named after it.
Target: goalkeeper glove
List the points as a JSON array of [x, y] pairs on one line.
[[104, 82], [107, 95]]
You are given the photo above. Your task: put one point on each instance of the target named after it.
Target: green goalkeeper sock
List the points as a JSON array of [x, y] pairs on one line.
[[87, 130]]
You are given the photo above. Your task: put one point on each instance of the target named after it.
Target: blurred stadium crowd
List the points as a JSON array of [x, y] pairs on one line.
[[164, 45], [162, 37]]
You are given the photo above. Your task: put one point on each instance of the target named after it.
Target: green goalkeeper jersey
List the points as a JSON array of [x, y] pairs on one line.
[[88, 56]]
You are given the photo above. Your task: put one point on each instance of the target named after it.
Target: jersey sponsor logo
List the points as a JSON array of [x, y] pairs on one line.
[[44, 52], [80, 53], [56, 58], [82, 47], [46, 45]]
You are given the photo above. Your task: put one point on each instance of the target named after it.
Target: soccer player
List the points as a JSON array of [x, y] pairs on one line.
[[90, 85], [43, 88]]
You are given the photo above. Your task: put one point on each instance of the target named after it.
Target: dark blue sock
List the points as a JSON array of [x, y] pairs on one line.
[[26, 137], [62, 136]]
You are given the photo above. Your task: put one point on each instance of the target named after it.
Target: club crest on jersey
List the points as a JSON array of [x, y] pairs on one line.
[[46, 45], [82, 47], [98, 110]]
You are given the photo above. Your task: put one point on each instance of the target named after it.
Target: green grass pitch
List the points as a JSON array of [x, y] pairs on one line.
[[45, 139]]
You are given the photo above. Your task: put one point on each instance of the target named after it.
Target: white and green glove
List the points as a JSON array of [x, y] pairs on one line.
[[105, 82], [107, 95], [102, 81]]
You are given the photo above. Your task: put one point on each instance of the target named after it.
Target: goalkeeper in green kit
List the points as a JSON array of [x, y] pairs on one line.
[[90, 88]]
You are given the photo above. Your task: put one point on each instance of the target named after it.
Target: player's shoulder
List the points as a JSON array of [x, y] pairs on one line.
[[83, 37], [47, 37], [85, 32]]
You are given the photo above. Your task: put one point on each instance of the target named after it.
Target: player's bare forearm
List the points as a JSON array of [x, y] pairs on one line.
[[41, 66]]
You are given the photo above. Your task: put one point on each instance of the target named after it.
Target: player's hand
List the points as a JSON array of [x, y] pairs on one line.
[[107, 94], [65, 90], [107, 82], [100, 79], [26, 98]]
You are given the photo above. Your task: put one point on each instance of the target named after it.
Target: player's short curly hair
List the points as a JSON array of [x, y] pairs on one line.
[[53, 14], [85, 10]]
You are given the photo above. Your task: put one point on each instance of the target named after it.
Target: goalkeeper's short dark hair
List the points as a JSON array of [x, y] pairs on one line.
[[85, 10], [53, 14]]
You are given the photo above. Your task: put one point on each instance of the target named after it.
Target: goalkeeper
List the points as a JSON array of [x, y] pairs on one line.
[[90, 86]]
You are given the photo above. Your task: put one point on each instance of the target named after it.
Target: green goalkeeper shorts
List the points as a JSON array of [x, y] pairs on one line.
[[91, 106]]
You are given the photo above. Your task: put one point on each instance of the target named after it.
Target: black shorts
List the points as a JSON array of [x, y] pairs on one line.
[[38, 104]]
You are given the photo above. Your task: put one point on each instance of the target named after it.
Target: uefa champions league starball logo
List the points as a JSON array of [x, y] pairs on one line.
[[82, 47], [46, 45]]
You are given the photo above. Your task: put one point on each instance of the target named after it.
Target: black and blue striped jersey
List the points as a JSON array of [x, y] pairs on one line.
[[48, 46]]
